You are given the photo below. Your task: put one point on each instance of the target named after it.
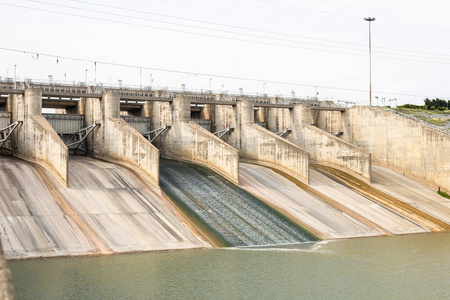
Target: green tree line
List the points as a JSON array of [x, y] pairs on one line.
[[436, 103]]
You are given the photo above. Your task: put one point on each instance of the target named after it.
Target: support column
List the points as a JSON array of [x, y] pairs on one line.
[[116, 141], [301, 116], [36, 140], [261, 146], [327, 149], [190, 142], [162, 114], [224, 117], [147, 109]]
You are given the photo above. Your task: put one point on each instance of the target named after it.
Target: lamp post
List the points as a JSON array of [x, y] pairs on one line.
[[85, 75], [210, 85], [15, 67], [370, 61]]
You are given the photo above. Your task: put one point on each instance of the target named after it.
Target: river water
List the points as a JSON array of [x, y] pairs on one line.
[[400, 267]]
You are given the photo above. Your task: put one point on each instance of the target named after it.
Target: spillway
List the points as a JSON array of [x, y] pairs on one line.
[[105, 209], [411, 192], [326, 206], [234, 216], [321, 217], [406, 197]]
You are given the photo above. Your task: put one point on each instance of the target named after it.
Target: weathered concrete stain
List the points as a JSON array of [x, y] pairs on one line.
[[105, 209], [408, 147]]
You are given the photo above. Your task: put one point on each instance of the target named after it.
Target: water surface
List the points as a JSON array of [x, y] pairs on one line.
[[399, 267], [229, 213]]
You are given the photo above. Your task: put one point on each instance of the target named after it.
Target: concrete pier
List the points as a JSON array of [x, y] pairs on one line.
[[261, 146], [326, 148], [115, 140], [35, 140], [190, 142], [322, 147]]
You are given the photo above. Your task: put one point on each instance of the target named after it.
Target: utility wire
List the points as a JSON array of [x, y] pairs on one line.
[[248, 28], [232, 32], [198, 27], [178, 30], [353, 16], [285, 20], [59, 57], [214, 23]]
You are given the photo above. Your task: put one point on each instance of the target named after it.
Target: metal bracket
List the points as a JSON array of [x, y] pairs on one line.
[[5, 133], [284, 133], [221, 133], [338, 133], [157, 132], [77, 137]]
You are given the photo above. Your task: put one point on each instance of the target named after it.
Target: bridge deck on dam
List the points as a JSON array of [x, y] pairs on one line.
[[106, 209], [325, 206]]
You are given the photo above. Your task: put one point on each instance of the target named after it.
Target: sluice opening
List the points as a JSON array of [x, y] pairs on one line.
[[223, 212]]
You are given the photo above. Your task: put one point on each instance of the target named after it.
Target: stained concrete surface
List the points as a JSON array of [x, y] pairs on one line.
[[336, 211], [105, 209], [311, 211], [32, 223], [376, 213], [412, 192]]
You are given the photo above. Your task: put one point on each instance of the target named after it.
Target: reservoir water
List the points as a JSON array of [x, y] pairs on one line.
[[397, 267]]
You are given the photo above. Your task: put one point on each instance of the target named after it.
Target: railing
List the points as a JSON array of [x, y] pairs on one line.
[[81, 88], [434, 127]]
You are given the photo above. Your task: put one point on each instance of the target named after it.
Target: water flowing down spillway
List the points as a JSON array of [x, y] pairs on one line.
[[232, 215]]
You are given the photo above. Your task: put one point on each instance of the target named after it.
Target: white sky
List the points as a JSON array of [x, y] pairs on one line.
[[419, 30]]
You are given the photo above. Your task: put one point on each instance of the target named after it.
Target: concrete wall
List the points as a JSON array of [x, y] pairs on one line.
[[224, 116], [162, 114], [329, 121], [35, 140], [322, 147], [115, 140], [5, 119], [406, 146], [259, 145], [6, 284], [190, 142], [327, 149]]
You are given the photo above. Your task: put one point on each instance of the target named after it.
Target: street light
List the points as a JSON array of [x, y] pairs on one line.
[[210, 84], [370, 61], [15, 66], [85, 75]]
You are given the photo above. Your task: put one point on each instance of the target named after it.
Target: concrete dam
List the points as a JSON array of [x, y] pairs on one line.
[[235, 171]]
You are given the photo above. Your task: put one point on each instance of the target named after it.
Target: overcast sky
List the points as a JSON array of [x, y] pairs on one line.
[[285, 45]]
